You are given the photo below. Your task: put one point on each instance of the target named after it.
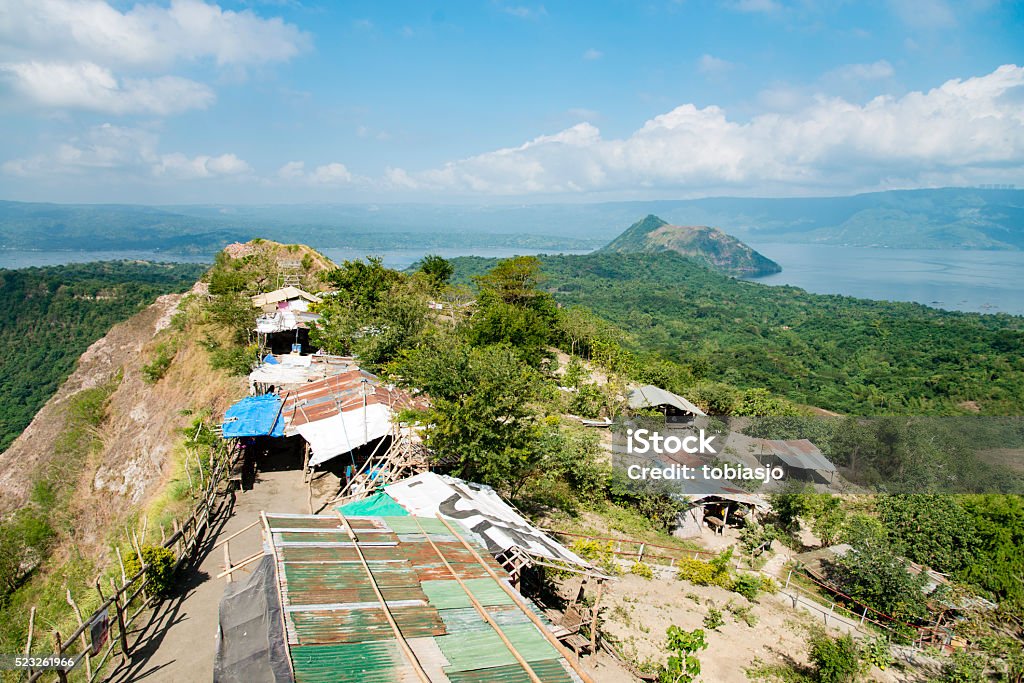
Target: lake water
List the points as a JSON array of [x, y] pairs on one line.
[[980, 281], [960, 280]]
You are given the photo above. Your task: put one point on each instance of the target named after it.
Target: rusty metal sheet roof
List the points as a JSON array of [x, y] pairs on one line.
[[799, 453], [338, 631], [346, 391]]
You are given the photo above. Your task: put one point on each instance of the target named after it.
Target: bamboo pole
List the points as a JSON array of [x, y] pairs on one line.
[[249, 560], [124, 577], [480, 608], [410, 655], [516, 598], [237, 533]]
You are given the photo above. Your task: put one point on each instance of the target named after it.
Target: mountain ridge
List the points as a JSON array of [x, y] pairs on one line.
[[712, 246]]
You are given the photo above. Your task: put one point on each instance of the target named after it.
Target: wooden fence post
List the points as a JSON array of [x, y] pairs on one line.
[[85, 638], [125, 652], [124, 577], [62, 675]]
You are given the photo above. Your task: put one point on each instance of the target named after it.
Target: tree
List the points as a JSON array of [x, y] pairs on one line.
[[682, 666], [511, 309], [931, 529], [480, 419], [437, 270], [873, 574], [362, 284]]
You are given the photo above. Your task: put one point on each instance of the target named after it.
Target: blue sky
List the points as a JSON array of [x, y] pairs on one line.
[[496, 101]]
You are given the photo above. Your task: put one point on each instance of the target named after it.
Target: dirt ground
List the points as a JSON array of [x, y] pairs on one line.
[[638, 612]]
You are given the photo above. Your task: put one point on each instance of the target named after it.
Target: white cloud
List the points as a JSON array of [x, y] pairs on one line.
[[710, 65], [863, 72], [178, 165], [293, 170], [952, 131], [592, 54], [146, 35], [89, 54], [524, 11], [124, 152], [330, 174], [84, 85]]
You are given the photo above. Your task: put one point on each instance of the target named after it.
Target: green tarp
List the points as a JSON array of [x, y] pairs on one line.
[[377, 505]]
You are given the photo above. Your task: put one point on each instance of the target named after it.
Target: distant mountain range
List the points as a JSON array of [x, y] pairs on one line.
[[962, 218], [722, 252]]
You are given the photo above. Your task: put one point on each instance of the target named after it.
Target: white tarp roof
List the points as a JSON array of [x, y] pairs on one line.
[[481, 510], [340, 433], [284, 320], [284, 294], [650, 396]]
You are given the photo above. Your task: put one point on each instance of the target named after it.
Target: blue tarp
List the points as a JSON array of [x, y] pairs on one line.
[[254, 416], [270, 360]]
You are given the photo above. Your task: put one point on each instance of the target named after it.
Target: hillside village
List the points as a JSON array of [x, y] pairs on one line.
[[385, 476]]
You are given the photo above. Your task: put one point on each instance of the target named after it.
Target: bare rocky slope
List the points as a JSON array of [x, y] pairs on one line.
[[141, 428]]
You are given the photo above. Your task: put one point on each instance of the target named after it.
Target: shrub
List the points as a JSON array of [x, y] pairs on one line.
[[599, 553], [642, 569], [159, 570], [742, 613], [835, 660], [876, 652], [747, 585], [153, 372], [964, 667], [713, 619], [714, 572]]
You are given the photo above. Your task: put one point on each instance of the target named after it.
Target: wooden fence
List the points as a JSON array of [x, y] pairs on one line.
[[128, 600]]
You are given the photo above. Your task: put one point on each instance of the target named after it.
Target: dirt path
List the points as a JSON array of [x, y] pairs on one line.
[[178, 641]]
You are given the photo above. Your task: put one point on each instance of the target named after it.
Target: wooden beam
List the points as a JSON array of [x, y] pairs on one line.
[[518, 599], [402, 643], [480, 608]]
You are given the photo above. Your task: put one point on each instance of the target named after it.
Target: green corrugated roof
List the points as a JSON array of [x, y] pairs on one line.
[[378, 505], [549, 670], [449, 594], [338, 632], [482, 649], [375, 662]]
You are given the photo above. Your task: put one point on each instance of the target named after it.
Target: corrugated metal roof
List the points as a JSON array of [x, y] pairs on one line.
[[338, 631], [347, 391], [650, 396], [799, 453]]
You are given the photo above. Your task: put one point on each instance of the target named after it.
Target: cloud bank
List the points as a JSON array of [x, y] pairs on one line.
[[940, 136]]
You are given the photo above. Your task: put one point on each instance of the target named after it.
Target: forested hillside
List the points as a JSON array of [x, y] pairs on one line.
[[839, 353], [51, 315]]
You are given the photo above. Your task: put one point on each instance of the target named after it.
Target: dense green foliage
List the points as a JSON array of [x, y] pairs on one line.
[[845, 354], [159, 565], [51, 315], [836, 660]]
